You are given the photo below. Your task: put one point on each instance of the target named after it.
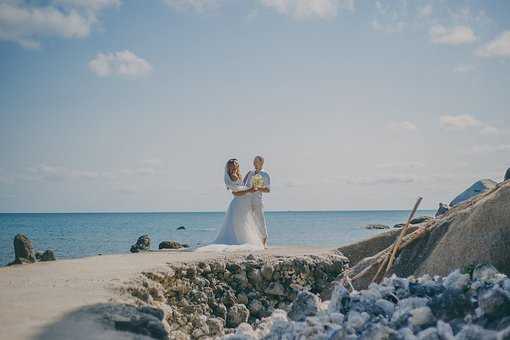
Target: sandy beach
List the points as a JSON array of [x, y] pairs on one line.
[[33, 297]]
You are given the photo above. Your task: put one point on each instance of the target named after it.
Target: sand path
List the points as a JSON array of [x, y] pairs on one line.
[[37, 295]]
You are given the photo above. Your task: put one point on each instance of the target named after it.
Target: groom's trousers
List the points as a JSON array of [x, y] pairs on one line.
[[258, 215]]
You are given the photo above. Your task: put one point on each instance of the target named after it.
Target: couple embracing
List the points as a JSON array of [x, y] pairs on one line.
[[244, 226]]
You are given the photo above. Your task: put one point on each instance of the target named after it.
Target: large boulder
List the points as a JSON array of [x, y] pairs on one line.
[[474, 190], [142, 244], [23, 250], [478, 233]]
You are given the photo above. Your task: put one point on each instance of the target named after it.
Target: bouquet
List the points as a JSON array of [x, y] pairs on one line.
[[257, 181]]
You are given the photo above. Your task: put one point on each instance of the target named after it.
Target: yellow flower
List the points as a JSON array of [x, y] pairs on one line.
[[257, 181]]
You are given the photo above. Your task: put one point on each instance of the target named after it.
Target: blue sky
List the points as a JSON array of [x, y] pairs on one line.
[[111, 105]]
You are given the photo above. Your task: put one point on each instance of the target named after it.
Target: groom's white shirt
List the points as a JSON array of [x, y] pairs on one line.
[[267, 182]]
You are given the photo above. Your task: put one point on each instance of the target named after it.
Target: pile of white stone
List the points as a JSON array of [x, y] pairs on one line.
[[471, 305]]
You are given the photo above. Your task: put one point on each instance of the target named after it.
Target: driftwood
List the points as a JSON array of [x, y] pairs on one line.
[[384, 257]]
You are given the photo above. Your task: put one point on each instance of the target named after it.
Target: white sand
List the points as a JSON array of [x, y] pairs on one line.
[[35, 296]]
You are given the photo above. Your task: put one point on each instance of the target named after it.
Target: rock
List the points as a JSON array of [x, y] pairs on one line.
[[23, 250], [421, 219], [142, 244], [215, 326], [474, 190], [171, 245], [255, 307], [399, 225], [475, 332], [421, 318], [495, 303], [236, 315], [451, 304], [443, 209], [428, 334], [275, 288], [507, 174], [487, 273], [267, 271], [305, 304], [181, 228], [472, 234], [48, 255], [377, 226]]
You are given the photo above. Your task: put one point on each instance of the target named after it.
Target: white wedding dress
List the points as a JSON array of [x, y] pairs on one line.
[[239, 230]]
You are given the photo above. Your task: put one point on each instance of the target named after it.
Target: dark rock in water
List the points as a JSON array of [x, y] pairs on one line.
[[23, 250], [142, 244], [377, 226], [181, 228], [507, 174], [443, 209], [48, 255], [306, 304], [474, 190], [399, 225], [421, 219], [171, 245]]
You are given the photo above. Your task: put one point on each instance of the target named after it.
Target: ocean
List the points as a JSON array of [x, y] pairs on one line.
[[74, 235]]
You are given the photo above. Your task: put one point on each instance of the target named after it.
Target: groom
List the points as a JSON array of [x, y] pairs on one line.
[[256, 197]]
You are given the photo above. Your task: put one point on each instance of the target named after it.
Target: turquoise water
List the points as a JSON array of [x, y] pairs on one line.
[[84, 234]]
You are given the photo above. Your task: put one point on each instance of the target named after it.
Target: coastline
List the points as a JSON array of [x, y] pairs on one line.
[[35, 296]]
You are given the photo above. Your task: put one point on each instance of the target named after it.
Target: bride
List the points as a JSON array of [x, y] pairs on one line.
[[239, 230]]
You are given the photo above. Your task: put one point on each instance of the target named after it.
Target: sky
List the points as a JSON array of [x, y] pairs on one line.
[[124, 105]]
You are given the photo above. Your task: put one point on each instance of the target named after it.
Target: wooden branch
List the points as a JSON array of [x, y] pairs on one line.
[[402, 233]]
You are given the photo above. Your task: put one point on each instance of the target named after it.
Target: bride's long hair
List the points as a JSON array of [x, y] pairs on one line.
[[233, 170]]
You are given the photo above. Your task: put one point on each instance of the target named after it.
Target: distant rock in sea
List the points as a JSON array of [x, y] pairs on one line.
[[421, 219], [181, 228], [48, 255], [377, 226], [474, 190], [23, 250], [172, 245], [142, 244], [507, 174]]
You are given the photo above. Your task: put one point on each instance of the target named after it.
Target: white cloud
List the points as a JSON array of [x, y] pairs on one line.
[[306, 9], [402, 126], [498, 47], [456, 35], [490, 148], [463, 122], [196, 5], [459, 122], [26, 24], [124, 63]]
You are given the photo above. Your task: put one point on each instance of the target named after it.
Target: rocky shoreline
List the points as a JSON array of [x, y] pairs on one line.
[[212, 298]]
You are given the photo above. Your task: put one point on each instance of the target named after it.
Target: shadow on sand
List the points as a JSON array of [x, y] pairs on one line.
[[107, 321]]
